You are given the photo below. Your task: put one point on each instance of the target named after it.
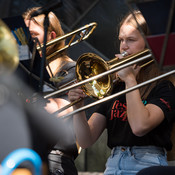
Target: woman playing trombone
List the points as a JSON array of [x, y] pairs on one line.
[[138, 123]]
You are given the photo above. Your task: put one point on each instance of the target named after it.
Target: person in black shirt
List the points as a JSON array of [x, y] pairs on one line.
[[59, 67], [138, 123]]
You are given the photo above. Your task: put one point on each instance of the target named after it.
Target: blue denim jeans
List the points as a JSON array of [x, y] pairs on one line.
[[129, 160]]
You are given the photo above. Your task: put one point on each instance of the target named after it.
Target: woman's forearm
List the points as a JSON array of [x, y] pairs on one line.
[[138, 114], [82, 130]]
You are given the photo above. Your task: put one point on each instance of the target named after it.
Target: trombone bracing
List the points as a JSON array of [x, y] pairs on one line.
[[82, 33]]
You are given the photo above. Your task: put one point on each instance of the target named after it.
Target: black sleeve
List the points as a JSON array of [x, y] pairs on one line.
[[102, 108], [67, 73], [163, 96]]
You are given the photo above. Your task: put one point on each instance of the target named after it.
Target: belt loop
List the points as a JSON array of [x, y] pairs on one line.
[[165, 151], [112, 152], [130, 151]]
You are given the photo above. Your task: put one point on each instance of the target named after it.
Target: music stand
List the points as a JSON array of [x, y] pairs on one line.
[[159, 15]]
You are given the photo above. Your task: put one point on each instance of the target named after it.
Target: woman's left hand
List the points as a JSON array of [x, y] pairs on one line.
[[128, 73]]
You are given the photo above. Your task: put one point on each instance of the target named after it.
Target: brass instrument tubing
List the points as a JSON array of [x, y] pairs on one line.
[[71, 43], [73, 103], [126, 59], [118, 94], [100, 75], [93, 25]]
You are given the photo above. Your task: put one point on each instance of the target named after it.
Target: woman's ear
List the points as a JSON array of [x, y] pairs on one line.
[[52, 35]]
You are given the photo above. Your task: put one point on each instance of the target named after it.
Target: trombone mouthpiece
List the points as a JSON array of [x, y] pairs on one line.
[[124, 53]]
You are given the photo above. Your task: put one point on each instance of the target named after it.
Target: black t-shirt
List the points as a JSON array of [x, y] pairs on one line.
[[67, 72], [67, 146], [119, 131]]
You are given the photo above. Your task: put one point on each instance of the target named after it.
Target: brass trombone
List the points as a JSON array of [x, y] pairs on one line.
[[119, 93], [94, 74], [82, 33]]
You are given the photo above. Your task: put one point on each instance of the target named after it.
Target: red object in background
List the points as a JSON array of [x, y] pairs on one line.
[[156, 44]]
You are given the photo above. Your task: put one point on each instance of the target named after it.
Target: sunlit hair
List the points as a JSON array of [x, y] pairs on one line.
[[54, 25], [131, 20]]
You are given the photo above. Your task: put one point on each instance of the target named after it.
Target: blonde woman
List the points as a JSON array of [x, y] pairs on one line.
[[138, 123]]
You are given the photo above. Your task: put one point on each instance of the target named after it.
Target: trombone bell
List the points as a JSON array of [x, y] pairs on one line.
[[89, 65], [96, 65]]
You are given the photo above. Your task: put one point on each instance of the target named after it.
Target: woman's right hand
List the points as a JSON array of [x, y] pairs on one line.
[[75, 94]]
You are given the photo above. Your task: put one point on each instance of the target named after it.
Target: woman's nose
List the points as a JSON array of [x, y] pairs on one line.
[[124, 45]]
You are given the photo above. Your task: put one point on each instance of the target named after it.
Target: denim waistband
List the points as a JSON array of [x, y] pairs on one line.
[[139, 149]]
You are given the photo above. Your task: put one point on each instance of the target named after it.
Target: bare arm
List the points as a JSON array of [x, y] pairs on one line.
[[55, 104], [142, 119], [87, 132]]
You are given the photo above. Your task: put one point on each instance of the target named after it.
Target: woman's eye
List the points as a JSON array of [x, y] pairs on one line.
[[131, 39], [33, 34]]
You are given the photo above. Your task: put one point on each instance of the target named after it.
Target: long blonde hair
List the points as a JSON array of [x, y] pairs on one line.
[[152, 69], [54, 25]]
